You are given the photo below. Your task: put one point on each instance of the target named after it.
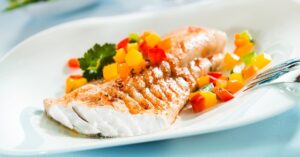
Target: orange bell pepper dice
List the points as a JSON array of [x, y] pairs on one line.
[[230, 60], [203, 80], [249, 71], [235, 83], [223, 94], [123, 70], [234, 86], [165, 44], [244, 49]]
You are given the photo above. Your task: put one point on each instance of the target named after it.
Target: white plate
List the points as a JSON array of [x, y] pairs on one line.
[[34, 70], [52, 8]]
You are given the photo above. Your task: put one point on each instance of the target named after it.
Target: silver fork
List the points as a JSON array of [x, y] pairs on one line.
[[284, 75]]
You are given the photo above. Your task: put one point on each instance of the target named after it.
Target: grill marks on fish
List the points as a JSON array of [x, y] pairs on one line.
[[132, 105], [156, 88], [170, 95], [187, 76], [135, 94], [157, 91], [121, 107]]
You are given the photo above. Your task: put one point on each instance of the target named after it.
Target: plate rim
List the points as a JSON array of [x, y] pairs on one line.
[[142, 139], [146, 139]]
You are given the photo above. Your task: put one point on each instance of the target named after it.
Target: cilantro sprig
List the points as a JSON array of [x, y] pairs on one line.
[[95, 59]]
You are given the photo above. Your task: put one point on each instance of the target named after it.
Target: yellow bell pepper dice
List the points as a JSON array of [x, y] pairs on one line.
[[72, 83], [132, 46], [120, 56], [246, 35], [244, 49], [79, 82], [69, 85], [249, 71], [110, 71], [123, 70], [138, 68], [202, 81], [234, 86], [230, 60], [236, 76], [221, 83], [134, 58], [152, 39], [261, 60], [210, 99]]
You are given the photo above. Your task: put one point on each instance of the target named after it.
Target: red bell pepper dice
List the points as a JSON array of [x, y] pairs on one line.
[[198, 103], [215, 74], [77, 76], [144, 48], [123, 43], [73, 63], [156, 55]]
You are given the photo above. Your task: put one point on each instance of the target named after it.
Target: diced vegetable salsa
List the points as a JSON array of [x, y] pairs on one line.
[[238, 67], [132, 55], [112, 61], [135, 52]]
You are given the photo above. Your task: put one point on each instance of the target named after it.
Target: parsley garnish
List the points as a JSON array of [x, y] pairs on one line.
[[95, 59]]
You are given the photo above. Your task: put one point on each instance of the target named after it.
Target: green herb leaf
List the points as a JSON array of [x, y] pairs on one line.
[[134, 38], [14, 4], [95, 59], [248, 58]]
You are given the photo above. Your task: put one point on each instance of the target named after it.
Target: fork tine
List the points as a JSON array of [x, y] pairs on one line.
[[248, 88], [290, 61], [268, 79], [281, 72], [280, 66], [288, 68], [274, 73], [265, 80]]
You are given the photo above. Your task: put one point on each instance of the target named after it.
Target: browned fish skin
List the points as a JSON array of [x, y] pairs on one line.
[[163, 89]]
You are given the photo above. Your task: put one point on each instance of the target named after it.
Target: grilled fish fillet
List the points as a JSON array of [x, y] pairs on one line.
[[145, 102]]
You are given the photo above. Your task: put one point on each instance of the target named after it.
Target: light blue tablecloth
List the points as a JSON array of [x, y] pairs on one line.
[[278, 136]]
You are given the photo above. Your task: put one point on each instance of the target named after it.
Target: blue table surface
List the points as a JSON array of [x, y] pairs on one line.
[[277, 136]]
